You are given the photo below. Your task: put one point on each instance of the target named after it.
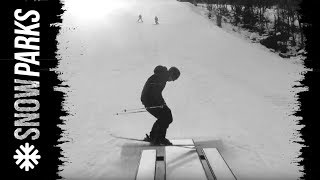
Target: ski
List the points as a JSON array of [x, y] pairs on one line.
[[142, 140]]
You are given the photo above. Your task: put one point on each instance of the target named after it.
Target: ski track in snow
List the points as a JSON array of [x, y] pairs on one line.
[[232, 94]]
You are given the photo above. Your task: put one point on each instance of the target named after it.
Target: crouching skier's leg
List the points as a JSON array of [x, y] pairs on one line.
[[155, 133], [153, 138], [165, 121], [159, 128]]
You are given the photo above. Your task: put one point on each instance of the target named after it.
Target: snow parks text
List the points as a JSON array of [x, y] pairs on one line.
[[26, 79]]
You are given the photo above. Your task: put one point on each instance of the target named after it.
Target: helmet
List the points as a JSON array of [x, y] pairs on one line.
[[160, 69], [174, 73]]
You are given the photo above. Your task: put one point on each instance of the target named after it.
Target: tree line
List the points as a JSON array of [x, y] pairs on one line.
[[278, 20]]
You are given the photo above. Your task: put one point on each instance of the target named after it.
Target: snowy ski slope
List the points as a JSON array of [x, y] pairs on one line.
[[231, 93]]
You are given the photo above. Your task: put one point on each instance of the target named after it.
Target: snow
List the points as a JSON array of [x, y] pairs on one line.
[[232, 93]]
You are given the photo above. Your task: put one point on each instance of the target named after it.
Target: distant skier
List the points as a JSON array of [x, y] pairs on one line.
[[151, 98], [140, 18], [156, 20]]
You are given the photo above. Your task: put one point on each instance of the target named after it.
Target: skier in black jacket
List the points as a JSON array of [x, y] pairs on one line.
[[151, 98]]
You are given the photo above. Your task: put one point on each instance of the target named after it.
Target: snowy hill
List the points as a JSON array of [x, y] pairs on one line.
[[229, 90]]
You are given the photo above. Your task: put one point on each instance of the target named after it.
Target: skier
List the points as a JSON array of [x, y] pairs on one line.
[[140, 18], [156, 20], [151, 98]]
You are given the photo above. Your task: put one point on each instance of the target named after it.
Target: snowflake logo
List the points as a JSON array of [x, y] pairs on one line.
[[27, 157]]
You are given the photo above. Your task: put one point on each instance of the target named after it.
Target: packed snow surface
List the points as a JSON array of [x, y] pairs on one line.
[[231, 92]]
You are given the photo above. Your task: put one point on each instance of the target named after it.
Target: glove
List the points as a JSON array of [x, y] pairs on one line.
[[164, 105]]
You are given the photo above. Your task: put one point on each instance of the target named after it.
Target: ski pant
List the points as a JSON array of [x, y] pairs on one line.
[[164, 118]]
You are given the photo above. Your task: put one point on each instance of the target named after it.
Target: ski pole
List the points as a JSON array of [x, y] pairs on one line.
[[120, 113], [138, 110], [150, 107]]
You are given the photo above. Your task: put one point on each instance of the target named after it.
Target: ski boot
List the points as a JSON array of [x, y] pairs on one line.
[[147, 138], [153, 140], [165, 142]]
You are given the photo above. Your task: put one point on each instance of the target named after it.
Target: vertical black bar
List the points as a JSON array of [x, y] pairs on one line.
[[309, 110], [50, 100]]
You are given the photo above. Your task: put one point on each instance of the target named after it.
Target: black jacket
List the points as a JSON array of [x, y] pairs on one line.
[[152, 91]]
